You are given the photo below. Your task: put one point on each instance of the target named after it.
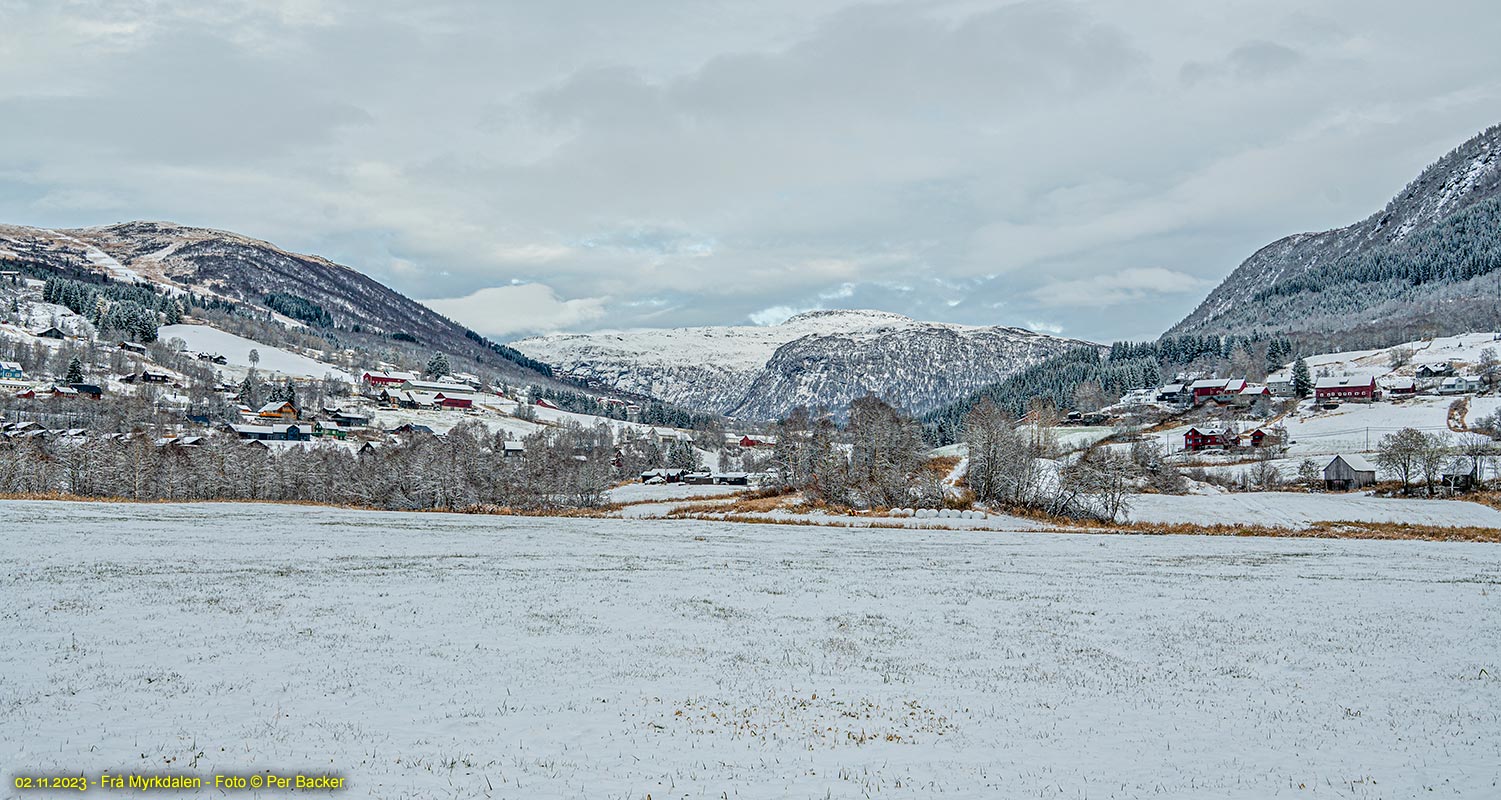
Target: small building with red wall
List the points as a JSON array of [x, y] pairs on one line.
[[1347, 387], [1210, 439]]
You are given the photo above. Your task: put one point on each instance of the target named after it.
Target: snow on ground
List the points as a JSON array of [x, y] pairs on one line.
[[639, 492], [433, 655], [1077, 438], [237, 349], [1297, 510], [441, 421], [1353, 427], [102, 260], [1464, 349]]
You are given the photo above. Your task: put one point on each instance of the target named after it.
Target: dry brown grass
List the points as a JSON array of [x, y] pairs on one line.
[[1322, 530]]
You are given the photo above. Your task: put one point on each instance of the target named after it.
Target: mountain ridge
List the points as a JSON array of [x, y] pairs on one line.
[[243, 270], [1438, 233], [824, 358]]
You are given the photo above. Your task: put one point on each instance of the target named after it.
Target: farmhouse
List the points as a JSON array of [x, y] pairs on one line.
[[1281, 387], [88, 390], [1265, 437], [672, 475], [749, 441], [1220, 390], [11, 370], [1349, 472], [290, 432], [1210, 438], [133, 347], [1251, 393], [1399, 387], [278, 409], [54, 392], [344, 418], [1432, 372], [1174, 393], [1347, 387], [512, 449], [147, 376], [1458, 384], [52, 333]]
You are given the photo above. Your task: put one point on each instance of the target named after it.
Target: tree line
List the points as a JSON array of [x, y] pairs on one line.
[[465, 469]]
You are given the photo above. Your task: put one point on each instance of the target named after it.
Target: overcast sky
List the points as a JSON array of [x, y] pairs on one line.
[[1086, 168]]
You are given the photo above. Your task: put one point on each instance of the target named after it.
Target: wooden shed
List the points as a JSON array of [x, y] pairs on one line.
[[1349, 472]]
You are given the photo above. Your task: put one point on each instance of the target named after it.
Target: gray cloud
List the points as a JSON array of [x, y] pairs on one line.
[[638, 164]]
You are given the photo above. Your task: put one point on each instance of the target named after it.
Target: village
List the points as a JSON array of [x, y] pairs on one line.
[[1323, 422]]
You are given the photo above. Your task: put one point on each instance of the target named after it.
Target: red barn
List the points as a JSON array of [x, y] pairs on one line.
[[1210, 438], [386, 378], [456, 401], [1360, 390]]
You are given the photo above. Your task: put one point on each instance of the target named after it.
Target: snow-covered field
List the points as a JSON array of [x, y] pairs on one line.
[[236, 349], [1463, 349], [1299, 509], [427, 655]]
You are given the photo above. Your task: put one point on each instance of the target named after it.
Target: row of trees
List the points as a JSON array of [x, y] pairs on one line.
[[1415, 457], [464, 470], [878, 459], [134, 312]]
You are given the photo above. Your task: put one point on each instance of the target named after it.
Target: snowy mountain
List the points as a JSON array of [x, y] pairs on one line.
[[817, 359], [1426, 264], [300, 289]]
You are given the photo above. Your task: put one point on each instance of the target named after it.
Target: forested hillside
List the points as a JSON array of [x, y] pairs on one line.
[[1428, 264]]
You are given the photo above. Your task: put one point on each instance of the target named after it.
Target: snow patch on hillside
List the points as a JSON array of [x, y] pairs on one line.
[[236, 349]]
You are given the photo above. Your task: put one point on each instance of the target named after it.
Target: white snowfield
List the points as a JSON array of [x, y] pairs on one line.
[[236, 350], [1299, 509], [431, 655]]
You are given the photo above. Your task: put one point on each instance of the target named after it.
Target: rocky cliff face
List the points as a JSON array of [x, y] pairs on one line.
[[818, 359]]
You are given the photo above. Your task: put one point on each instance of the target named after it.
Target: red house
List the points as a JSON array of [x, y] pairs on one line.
[[1264, 438], [1210, 438], [748, 441], [544, 404], [457, 401], [1222, 390], [1360, 390]]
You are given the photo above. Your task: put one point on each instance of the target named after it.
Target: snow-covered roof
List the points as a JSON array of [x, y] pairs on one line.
[[1209, 383], [1254, 388], [275, 405], [1342, 381], [10, 365], [1171, 388], [1355, 462], [439, 387]]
